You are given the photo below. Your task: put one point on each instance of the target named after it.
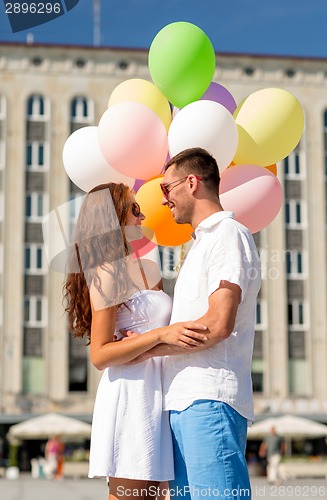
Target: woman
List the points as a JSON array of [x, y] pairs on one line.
[[109, 292], [54, 450]]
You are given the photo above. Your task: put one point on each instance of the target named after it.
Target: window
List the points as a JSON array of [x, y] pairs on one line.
[[82, 110], [294, 165], [260, 314], [169, 258], [257, 381], [34, 259], [35, 206], [257, 370], [37, 108], [33, 342], [295, 216], [75, 203], [35, 311], [296, 313], [295, 263], [298, 364], [258, 344], [296, 345], [36, 155], [78, 365]]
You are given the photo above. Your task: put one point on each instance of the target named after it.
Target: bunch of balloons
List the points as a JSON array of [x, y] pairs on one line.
[[148, 122]]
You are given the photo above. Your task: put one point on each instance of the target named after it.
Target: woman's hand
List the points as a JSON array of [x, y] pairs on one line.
[[186, 334]]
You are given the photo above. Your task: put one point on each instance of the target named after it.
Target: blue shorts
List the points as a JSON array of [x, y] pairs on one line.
[[209, 440]]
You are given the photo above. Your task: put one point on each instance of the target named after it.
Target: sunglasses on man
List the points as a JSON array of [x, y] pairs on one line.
[[164, 186]]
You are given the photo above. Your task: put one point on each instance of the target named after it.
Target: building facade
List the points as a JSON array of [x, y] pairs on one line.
[[47, 92]]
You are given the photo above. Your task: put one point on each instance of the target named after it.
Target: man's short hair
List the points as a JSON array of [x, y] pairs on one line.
[[199, 162]]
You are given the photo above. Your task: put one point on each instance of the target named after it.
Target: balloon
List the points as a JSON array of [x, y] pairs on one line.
[[182, 62], [220, 94], [272, 168], [133, 139], [146, 93], [158, 218], [138, 183], [174, 112], [142, 247], [85, 164], [208, 125], [270, 124], [253, 193]]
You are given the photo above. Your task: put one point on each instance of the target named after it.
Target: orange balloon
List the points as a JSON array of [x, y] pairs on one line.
[[272, 168], [158, 218]]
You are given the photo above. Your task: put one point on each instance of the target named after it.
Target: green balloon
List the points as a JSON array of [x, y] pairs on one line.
[[182, 62]]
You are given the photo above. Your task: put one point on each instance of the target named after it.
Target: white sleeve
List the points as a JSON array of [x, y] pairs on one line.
[[230, 260]]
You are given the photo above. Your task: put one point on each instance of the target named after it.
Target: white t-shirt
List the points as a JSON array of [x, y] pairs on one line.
[[223, 249]]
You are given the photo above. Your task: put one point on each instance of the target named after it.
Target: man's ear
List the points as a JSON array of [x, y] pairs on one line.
[[193, 181]]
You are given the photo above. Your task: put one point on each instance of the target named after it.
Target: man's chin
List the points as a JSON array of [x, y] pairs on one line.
[[178, 220]]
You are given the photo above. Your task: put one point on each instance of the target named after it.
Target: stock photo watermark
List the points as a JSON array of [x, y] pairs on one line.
[[181, 492], [24, 15]]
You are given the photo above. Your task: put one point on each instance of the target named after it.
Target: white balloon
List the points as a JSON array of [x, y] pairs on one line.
[[85, 164], [208, 125]]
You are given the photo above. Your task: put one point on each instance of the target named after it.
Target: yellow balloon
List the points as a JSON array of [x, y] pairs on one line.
[[158, 218], [144, 92], [270, 124]]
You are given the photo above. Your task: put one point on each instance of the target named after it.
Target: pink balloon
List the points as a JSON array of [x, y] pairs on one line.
[[253, 193], [220, 94], [142, 247], [133, 139]]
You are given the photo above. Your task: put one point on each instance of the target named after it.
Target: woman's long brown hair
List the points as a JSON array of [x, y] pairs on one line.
[[99, 239]]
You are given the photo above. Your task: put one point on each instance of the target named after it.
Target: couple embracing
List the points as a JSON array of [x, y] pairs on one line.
[[175, 397]]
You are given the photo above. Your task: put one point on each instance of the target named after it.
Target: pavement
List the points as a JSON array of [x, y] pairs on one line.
[[27, 488]]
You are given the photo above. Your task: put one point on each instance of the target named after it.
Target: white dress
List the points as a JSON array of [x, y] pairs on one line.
[[130, 433]]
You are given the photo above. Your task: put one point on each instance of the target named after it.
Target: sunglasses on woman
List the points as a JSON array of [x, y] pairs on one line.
[[136, 209]]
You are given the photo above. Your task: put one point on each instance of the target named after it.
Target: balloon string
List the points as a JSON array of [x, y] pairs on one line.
[[181, 258], [142, 271]]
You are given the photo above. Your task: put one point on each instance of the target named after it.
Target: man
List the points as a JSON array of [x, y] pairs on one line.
[[272, 448], [209, 393]]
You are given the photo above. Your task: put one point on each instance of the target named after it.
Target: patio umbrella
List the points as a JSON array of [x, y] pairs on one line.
[[50, 424], [288, 426]]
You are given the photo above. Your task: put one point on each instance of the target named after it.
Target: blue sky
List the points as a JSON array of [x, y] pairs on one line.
[[271, 27]]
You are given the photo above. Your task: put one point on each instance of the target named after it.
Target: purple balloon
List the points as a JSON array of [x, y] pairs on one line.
[[138, 183], [220, 94]]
